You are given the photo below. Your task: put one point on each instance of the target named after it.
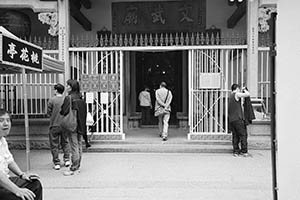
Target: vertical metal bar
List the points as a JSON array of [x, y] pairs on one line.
[[106, 107], [223, 85], [267, 84], [197, 63], [226, 93], [97, 93], [190, 92], [112, 114], [26, 120], [273, 107], [121, 90], [261, 70], [102, 106]]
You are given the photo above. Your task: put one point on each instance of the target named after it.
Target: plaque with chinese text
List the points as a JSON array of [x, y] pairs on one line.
[[18, 52], [159, 16]]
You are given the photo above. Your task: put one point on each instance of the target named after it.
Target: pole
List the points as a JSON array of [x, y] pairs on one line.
[[26, 120], [273, 107]]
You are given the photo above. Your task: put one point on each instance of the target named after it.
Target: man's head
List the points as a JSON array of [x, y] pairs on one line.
[[235, 87], [5, 123], [163, 84], [59, 88]]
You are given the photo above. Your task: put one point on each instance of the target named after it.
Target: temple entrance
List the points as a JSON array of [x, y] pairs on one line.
[[151, 69]]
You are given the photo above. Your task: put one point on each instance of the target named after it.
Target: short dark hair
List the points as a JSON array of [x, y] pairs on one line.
[[163, 84], [3, 112], [74, 85], [60, 88], [235, 86]]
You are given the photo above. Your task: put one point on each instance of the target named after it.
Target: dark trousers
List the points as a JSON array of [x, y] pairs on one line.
[[145, 114], [35, 186], [76, 150], [57, 136], [239, 135]]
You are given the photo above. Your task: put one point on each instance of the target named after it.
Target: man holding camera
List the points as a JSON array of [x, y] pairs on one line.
[[237, 120]]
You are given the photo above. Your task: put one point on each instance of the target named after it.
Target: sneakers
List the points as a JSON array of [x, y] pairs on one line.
[[241, 154], [245, 154], [56, 167], [67, 163], [71, 173], [235, 154]]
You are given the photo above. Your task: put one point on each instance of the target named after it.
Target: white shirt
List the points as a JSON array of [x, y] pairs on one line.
[[145, 99], [5, 156]]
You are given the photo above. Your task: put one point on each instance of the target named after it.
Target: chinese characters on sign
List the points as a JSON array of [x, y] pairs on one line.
[[100, 82], [159, 16], [17, 52]]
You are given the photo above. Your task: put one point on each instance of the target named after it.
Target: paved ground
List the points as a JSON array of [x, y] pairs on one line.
[[129, 176]]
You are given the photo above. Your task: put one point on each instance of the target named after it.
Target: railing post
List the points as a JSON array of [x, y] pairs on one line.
[[63, 34], [252, 51]]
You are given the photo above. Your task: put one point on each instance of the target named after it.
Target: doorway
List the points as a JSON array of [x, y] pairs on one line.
[[154, 67]]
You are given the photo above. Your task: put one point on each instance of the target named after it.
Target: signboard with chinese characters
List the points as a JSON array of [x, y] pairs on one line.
[[210, 80], [100, 82], [20, 53], [159, 16]]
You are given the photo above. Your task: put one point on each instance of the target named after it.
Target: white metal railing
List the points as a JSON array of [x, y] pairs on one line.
[[107, 101], [39, 90], [231, 59], [264, 77], [209, 103]]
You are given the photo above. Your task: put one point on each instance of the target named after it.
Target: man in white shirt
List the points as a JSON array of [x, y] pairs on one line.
[[163, 98], [146, 105], [24, 186]]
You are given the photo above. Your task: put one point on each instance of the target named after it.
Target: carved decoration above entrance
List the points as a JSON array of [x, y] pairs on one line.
[[162, 16]]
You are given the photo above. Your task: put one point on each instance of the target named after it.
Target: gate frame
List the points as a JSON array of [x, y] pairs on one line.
[[123, 49]]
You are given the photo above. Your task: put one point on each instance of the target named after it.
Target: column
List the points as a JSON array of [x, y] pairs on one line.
[[252, 51], [63, 35], [287, 98]]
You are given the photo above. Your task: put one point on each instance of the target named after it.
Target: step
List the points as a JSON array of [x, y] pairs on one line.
[[164, 147]]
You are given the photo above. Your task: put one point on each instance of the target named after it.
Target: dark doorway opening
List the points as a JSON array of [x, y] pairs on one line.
[[154, 67]]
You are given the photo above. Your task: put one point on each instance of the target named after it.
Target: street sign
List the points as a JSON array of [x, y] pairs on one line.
[[17, 52]]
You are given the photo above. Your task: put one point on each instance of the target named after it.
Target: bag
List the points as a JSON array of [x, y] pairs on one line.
[[69, 122], [89, 119], [160, 110]]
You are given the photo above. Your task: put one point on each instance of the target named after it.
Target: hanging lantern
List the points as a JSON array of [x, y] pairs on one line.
[[16, 22]]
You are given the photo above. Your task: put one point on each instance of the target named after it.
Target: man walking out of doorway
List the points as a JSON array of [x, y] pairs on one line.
[[163, 98], [237, 120]]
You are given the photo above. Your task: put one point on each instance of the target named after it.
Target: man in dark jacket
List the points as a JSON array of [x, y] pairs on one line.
[[237, 120]]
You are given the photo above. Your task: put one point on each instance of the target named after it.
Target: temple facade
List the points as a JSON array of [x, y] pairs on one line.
[[116, 47]]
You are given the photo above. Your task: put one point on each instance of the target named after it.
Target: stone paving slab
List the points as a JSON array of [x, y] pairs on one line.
[[118, 176]]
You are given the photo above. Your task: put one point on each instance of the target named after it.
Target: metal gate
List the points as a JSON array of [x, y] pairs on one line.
[[212, 70], [101, 75]]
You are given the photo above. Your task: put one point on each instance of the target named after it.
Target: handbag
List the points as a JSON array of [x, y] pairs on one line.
[[69, 121], [161, 110], [89, 119]]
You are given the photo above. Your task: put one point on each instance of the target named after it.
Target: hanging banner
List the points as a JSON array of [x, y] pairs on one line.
[[159, 16], [19, 52]]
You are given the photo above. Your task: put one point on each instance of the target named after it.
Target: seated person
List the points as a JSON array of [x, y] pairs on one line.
[[23, 186]]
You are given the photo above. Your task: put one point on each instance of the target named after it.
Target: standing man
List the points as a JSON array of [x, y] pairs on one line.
[[56, 134], [146, 105], [163, 98], [237, 120]]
